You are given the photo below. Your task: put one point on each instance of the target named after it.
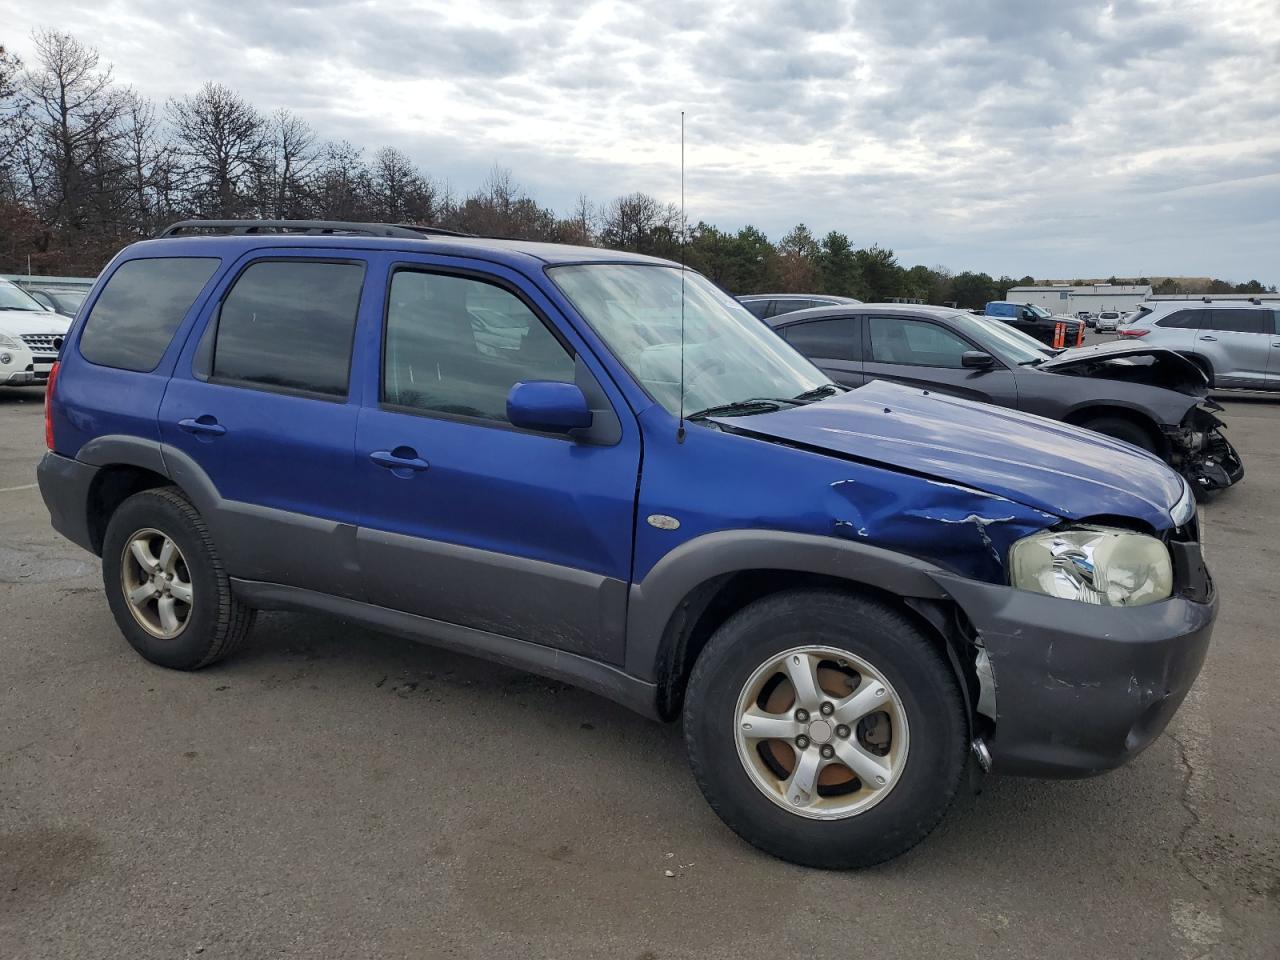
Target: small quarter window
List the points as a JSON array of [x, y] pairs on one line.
[[135, 316]]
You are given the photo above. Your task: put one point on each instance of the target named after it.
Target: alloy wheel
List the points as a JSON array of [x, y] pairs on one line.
[[156, 583], [821, 732]]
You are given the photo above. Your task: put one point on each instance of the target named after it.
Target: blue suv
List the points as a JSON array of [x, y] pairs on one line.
[[597, 466]]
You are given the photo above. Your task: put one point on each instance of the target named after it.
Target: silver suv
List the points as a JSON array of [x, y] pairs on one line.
[[1236, 344]]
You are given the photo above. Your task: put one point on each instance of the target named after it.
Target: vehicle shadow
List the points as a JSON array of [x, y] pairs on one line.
[[1016, 827]]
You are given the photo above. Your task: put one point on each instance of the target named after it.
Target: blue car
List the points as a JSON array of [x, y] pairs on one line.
[[597, 466]]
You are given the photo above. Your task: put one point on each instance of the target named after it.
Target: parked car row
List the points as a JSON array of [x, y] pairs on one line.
[[1038, 323], [1151, 398], [65, 302], [598, 466], [30, 335]]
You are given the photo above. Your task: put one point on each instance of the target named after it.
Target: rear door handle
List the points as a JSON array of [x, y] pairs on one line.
[[205, 424], [1210, 338], [400, 459]]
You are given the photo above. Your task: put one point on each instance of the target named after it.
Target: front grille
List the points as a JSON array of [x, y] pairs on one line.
[[42, 342]]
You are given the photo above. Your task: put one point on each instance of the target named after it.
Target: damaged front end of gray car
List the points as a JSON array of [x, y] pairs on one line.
[[1196, 445]]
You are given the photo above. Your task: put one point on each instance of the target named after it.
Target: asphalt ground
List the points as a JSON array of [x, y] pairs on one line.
[[332, 792]]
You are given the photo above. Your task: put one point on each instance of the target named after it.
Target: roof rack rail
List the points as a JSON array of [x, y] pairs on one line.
[[309, 228]]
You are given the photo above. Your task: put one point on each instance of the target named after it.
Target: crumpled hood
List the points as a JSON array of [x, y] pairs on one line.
[[1114, 350], [1062, 470]]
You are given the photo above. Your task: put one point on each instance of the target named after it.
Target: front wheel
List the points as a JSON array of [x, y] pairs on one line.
[[825, 728]]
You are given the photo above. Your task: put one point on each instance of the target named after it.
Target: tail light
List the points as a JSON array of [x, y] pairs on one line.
[[1133, 331], [48, 405]]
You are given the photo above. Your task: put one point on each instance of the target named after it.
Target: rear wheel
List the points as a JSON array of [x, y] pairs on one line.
[[825, 728], [1122, 429], [165, 584]]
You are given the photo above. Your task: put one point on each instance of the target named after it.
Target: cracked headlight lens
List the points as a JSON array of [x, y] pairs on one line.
[[1101, 565]]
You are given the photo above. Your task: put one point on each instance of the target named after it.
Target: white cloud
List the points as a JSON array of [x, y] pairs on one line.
[[1073, 138]]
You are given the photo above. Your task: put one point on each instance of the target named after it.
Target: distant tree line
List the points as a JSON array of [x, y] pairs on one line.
[[87, 166]]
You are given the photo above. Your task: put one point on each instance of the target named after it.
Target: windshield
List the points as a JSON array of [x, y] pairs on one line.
[[12, 298], [1040, 312], [1013, 345], [729, 355]]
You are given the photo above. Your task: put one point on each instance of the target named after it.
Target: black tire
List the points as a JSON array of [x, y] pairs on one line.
[[217, 623], [885, 638], [1121, 429]]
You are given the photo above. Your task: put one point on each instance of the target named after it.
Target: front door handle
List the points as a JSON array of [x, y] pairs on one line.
[[1214, 339], [206, 425], [400, 459]]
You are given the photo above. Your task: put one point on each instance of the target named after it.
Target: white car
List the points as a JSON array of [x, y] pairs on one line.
[[1108, 320], [30, 335]]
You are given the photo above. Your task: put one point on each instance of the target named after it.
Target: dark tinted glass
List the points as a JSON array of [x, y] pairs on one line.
[[289, 324], [142, 304], [834, 339], [915, 342], [1183, 320], [757, 307], [1240, 321], [457, 346], [790, 306]]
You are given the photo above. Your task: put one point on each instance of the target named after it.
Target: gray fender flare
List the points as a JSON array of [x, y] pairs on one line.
[[659, 596]]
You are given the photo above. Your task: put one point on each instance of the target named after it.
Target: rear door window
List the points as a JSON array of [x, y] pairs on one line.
[[758, 308], [288, 324], [1240, 321], [833, 339], [138, 311]]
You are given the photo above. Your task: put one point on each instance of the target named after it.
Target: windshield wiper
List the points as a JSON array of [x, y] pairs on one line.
[[743, 408], [817, 393]]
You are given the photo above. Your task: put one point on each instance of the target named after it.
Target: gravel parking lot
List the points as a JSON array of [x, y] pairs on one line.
[[332, 792]]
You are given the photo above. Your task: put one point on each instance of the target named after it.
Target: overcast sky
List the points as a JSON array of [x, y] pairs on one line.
[[1060, 139]]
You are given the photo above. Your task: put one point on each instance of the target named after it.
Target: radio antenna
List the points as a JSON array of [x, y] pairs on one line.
[[680, 428]]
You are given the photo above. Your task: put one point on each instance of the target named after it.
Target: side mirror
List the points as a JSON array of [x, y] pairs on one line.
[[976, 358], [548, 406]]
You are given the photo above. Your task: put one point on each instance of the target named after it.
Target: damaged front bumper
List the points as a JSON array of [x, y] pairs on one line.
[[1201, 451], [1082, 689]]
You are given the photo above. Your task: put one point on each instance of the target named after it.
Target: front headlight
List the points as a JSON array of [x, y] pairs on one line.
[[1102, 565], [13, 343]]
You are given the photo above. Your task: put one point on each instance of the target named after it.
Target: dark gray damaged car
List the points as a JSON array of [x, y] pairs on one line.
[[1149, 396]]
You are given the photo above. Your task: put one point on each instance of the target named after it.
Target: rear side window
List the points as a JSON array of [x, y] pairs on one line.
[[1240, 321], [1183, 320], [758, 308], [834, 339], [288, 324], [134, 318]]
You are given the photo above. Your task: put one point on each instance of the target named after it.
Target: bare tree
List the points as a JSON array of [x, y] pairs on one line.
[[13, 116], [343, 184], [291, 162], [641, 223], [222, 141], [400, 193], [71, 159]]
